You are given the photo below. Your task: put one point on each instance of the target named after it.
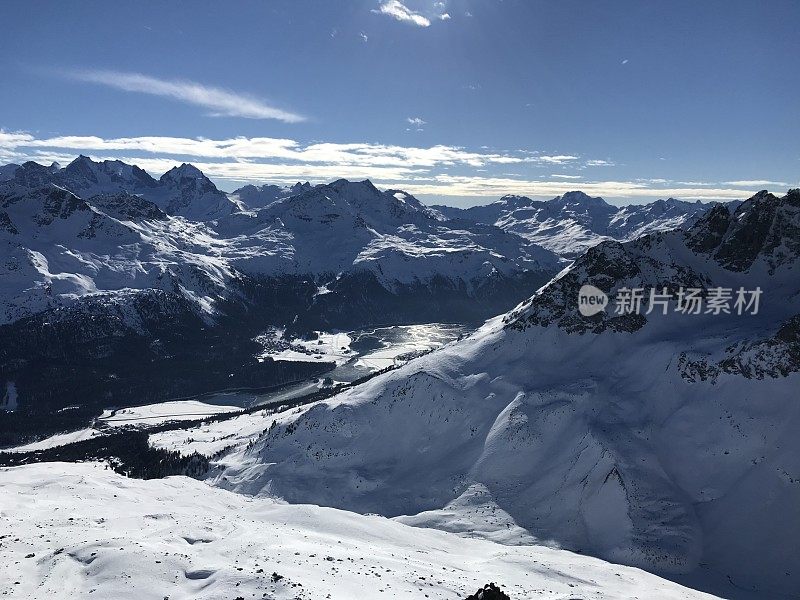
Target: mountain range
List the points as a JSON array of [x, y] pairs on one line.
[[573, 222], [110, 274], [107, 226], [661, 439]]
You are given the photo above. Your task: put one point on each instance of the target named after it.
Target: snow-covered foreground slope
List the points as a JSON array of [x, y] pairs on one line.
[[663, 441], [571, 223], [81, 531]]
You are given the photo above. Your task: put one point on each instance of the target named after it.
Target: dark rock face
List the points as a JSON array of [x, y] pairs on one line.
[[708, 232], [32, 174], [746, 237], [770, 357], [6, 224], [59, 204], [489, 592], [128, 207], [764, 226]]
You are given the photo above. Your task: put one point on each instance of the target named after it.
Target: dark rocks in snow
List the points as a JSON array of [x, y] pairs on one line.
[[124, 206], [489, 592]]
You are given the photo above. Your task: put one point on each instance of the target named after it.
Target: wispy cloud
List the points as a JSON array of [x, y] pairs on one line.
[[220, 101], [557, 176], [399, 11], [416, 123], [558, 159], [749, 183], [599, 163], [249, 149]]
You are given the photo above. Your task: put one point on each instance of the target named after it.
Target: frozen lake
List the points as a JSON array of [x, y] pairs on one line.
[[357, 354]]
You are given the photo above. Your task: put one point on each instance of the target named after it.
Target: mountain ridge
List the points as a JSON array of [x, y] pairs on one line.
[[573, 222]]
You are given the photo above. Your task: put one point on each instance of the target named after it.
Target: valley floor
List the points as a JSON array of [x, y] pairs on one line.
[[81, 531]]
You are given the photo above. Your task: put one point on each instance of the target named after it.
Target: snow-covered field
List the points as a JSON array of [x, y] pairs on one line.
[[327, 347], [81, 531], [59, 439], [152, 414], [210, 438]]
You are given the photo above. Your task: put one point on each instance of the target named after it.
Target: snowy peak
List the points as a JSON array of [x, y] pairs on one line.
[[183, 190], [185, 171], [764, 229], [187, 192], [757, 244], [579, 200], [87, 178], [355, 200], [514, 201], [571, 223], [83, 167], [259, 196]]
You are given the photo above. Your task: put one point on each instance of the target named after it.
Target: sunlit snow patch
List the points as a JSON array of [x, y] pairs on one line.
[[326, 347], [151, 414]]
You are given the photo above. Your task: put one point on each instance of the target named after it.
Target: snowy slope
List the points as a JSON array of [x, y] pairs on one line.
[[57, 247], [79, 530], [571, 223], [663, 441]]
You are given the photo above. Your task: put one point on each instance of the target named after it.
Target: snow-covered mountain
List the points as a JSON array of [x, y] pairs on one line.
[[99, 258], [259, 196], [100, 227], [571, 223], [663, 440]]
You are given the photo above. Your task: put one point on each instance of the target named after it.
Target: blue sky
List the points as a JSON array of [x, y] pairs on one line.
[[457, 101]]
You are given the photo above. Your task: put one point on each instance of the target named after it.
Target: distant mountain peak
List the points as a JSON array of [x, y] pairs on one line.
[[577, 197], [515, 201], [185, 171], [346, 184]]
